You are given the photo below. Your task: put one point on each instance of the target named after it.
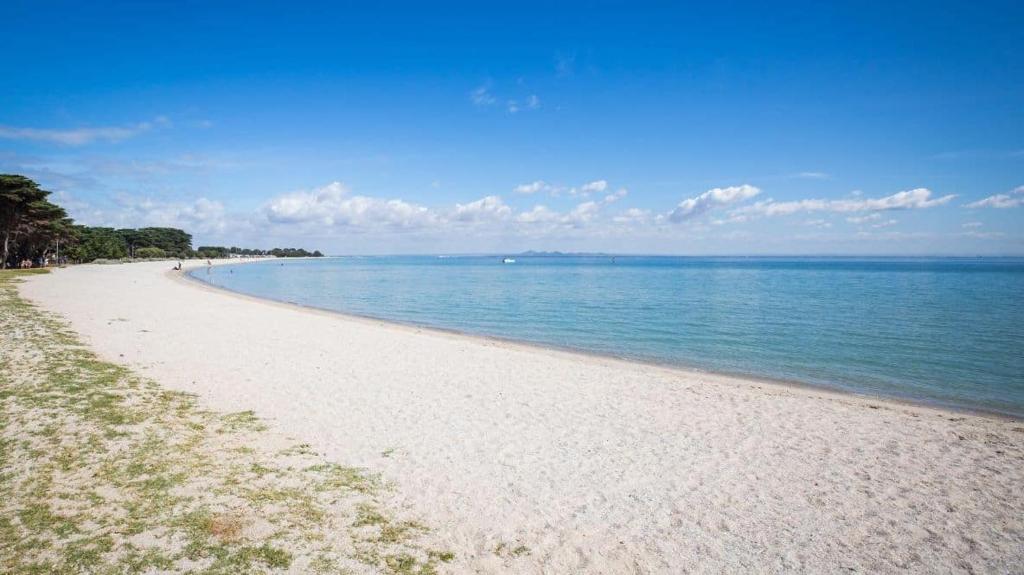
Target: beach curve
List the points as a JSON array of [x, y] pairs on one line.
[[539, 460]]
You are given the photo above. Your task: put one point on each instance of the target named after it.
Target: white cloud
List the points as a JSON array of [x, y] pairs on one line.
[[616, 196], [580, 215], [207, 214], [335, 211], [594, 187], [202, 216], [811, 176], [532, 187], [693, 207], [305, 206], [332, 205], [487, 208], [532, 102], [1011, 200], [539, 214], [80, 136], [971, 225], [918, 198], [632, 216], [597, 186]]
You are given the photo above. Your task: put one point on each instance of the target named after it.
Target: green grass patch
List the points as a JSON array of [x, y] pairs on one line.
[[106, 459]]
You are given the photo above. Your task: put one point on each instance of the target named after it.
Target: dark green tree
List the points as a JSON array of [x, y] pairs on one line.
[[98, 243], [39, 230], [18, 195], [33, 228]]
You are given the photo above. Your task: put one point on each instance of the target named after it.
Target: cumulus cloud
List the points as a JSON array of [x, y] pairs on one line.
[[333, 205], [203, 216], [581, 215], [918, 198], [716, 197], [80, 136], [305, 206], [536, 186], [616, 196], [487, 208], [532, 187], [334, 210], [632, 216], [1010, 200], [539, 214]]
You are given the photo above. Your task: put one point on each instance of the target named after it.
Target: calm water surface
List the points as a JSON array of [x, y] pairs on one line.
[[944, 331]]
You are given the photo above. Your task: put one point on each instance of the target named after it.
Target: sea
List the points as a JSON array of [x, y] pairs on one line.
[[940, 331]]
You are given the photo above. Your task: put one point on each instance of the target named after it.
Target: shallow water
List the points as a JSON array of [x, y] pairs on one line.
[[943, 331]]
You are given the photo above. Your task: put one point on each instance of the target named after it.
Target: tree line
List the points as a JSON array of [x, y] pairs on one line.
[[36, 231], [222, 252]]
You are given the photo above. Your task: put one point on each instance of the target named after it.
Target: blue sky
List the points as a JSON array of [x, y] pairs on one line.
[[733, 128]]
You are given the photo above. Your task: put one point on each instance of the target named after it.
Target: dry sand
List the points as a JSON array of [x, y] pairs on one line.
[[539, 461]]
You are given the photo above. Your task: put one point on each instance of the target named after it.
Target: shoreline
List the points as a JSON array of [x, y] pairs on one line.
[[836, 393], [536, 460]]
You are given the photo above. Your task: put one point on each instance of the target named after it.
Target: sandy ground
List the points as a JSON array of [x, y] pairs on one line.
[[540, 461]]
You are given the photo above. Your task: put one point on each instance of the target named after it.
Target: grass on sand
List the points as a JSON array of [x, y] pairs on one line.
[[102, 471]]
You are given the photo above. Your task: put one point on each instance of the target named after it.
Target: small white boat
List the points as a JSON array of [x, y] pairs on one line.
[[508, 261]]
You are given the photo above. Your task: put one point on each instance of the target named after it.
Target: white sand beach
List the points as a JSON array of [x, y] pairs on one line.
[[529, 460]]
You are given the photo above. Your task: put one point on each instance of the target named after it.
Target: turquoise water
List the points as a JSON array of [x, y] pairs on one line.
[[943, 331]]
